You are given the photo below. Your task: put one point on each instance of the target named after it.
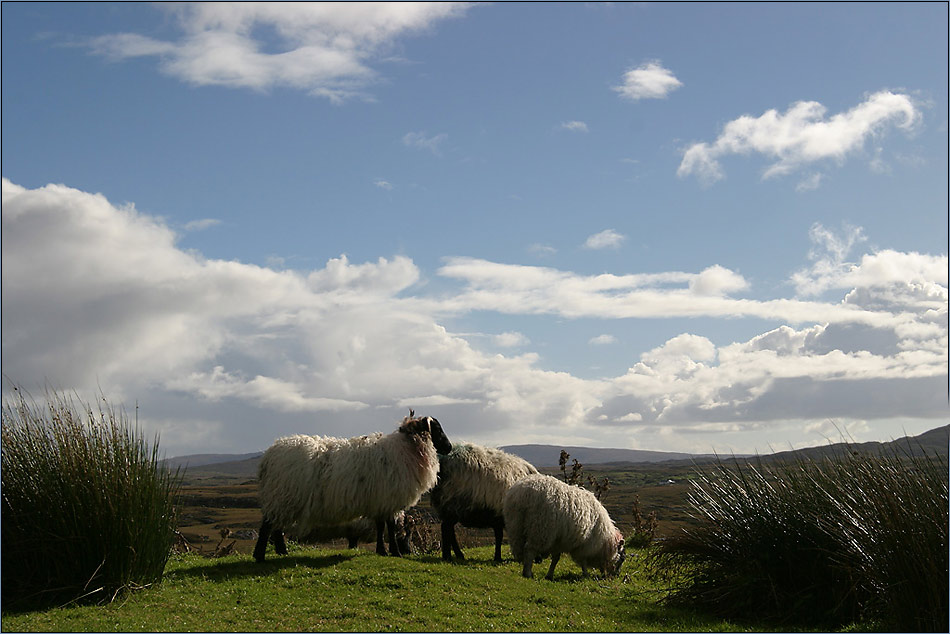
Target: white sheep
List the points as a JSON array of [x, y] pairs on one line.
[[545, 516], [308, 481], [471, 490]]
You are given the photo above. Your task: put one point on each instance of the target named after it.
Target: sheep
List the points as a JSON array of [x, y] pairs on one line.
[[470, 491], [545, 516], [307, 481], [359, 530]]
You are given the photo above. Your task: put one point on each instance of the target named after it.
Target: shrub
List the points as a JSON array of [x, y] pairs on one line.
[[831, 541], [643, 531], [88, 508]]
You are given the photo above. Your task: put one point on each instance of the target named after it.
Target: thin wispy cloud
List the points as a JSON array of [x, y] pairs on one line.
[[542, 250], [422, 141], [510, 340], [574, 126], [606, 239], [810, 182], [324, 48], [648, 81], [383, 184], [202, 224], [802, 135]]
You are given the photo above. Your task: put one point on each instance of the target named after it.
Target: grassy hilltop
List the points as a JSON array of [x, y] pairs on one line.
[[316, 589]]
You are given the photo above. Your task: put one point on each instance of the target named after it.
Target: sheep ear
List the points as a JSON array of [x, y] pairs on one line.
[[411, 413]]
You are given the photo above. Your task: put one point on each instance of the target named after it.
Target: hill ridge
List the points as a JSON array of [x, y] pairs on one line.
[[933, 441]]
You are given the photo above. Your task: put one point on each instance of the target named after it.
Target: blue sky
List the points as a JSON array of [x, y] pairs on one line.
[[662, 226]]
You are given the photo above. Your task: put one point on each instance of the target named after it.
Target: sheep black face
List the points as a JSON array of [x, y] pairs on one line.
[[427, 424], [439, 439], [621, 556]]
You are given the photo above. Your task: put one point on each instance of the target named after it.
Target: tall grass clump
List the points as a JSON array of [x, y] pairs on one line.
[[88, 507], [849, 538]]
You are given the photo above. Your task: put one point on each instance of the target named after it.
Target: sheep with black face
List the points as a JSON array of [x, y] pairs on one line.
[[471, 490], [310, 481]]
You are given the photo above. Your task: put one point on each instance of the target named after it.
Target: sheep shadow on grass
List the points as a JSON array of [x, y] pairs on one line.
[[247, 567]]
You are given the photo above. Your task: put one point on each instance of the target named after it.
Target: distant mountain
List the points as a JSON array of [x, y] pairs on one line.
[[205, 459], [935, 441], [549, 455], [245, 465]]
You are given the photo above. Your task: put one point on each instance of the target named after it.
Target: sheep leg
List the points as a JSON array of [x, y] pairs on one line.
[[448, 540], [528, 560], [393, 544], [499, 534], [455, 545], [554, 559], [261, 545], [280, 547], [380, 547]]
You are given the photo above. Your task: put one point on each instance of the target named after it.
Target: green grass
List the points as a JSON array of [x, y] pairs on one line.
[[88, 511], [355, 590]]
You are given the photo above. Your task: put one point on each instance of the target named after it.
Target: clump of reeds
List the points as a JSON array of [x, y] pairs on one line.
[[88, 507], [849, 538]]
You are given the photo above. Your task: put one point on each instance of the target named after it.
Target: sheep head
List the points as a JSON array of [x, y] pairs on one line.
[[613, 566], [427, 425]]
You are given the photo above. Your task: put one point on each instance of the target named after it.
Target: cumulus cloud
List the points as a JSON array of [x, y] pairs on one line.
[[800, 136], [886, 271], [606, 239], [648, 81], [100, 295], [323, 48], [602, 340]]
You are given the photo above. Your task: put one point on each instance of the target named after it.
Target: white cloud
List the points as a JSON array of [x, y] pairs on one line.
[[717, 281], [201, 225], [607, 239], [921, 275], [419, 140], [98, 295], [602, 340], [542, 250], [648, 81], [322, 48], [510, 340], [383, 184], [436, 400], [810, 182], [575, 126], [800, 136]]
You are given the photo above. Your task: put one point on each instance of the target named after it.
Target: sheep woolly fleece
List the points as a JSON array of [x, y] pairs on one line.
[[311, 480], [474, 477], [545, 516]]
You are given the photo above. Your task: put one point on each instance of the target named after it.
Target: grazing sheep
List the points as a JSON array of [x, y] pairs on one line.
[[545, 516], [471, 490], [308, 481], [359, 530]]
